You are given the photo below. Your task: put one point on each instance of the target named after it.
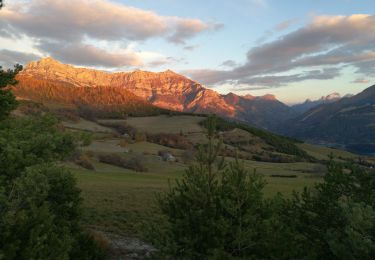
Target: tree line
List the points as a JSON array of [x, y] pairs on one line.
[[40, 204]]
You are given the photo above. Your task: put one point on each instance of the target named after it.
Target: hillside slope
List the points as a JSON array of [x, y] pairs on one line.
[[167, 90], [349, 122], [101, 101]]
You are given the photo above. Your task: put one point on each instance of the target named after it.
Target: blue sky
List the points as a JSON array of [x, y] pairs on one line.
[[293, 49]]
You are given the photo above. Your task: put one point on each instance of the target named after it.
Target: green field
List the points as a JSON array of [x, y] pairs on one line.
[[123, 201], [321, 152], [164, 124]]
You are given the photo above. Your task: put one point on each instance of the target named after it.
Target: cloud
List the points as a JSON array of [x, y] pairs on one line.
[[8, 58], [98, 19], [164, 61], [325, 42], [229, 63], [191, 47], [186, 29], [89, 55], [277, 81], [284, 25], [361, 81], [366, 68], [52, 22]]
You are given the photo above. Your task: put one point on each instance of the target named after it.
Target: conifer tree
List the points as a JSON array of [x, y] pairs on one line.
[[7, 99], [214, 210]]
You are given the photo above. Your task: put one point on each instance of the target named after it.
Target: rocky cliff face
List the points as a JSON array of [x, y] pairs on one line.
[[166, 90]]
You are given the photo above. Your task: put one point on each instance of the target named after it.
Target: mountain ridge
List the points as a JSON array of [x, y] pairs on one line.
[[310, 104], [168, 90], [348, 122]]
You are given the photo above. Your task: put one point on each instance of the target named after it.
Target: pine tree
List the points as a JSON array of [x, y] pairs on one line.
[[215, 210], [7, 99]]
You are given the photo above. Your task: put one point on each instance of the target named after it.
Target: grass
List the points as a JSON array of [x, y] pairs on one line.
[[323, 153], [164, 124], [152, 148], [123, 201], [119, 200], [88, 126]]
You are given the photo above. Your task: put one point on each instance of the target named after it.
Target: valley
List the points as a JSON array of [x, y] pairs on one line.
[[345, 123], [122, 201], [143, 131], [187, 130]]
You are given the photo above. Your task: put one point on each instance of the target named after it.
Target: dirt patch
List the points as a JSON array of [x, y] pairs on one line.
[[124, 247]]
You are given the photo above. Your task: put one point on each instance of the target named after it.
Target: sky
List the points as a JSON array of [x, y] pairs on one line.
[[292, 49]]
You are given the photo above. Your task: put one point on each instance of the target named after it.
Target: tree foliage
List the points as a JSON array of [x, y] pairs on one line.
[[217, 210], [7, 99], [40, 204], [335, 219]]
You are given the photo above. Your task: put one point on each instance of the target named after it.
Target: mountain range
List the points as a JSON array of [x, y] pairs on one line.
[[166, 89], [309, 104], [347, 121]]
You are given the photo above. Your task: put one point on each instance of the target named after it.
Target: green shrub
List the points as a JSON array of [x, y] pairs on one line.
[[170, 140], [84, 161], [40, 204], [134, 163]]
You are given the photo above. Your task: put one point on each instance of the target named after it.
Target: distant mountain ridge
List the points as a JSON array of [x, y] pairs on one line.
[[309, 104], [349, 122], [166, 89]]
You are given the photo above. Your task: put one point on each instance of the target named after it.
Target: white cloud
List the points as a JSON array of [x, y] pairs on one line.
[[325, 42], [86, 31]]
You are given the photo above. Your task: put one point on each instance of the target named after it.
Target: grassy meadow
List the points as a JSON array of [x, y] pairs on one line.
[[120, 200]]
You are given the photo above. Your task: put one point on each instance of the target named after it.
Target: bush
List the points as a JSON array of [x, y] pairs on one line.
[[134, 163], [188, 155], [84, 161], [139, 137], [170, 140], [86, 138], [121, 127], [31, 108], [123, 143], [284, 175], [66, 114]]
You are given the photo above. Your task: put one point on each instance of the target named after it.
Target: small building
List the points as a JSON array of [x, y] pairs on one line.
[[167, 156]]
